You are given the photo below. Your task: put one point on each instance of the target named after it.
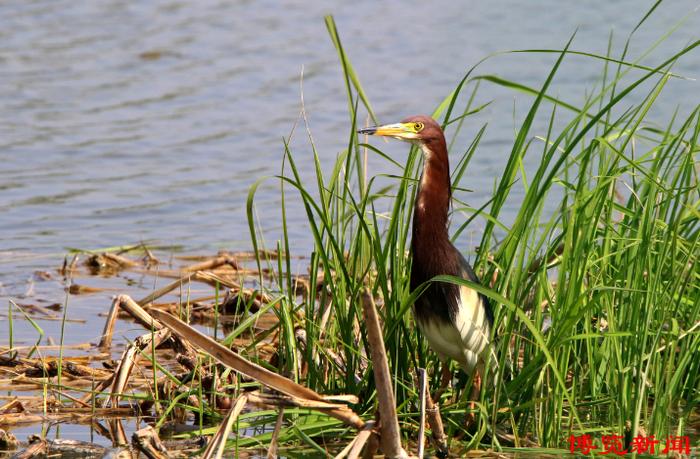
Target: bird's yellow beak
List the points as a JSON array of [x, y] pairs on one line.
[[401, 131]]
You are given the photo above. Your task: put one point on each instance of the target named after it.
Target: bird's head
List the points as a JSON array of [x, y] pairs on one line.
[[420, 129]]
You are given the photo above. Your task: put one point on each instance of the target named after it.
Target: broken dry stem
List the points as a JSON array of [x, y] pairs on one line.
[[389, 425], [147, 441], [354, 448], [252, 370], [127, 304], [432, 411], [212, 263], [129, 359], [272, 449], [218, 442]]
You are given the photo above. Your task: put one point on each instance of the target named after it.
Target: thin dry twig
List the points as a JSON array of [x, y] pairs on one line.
[[99, 388], [423, 391], [165, 290]]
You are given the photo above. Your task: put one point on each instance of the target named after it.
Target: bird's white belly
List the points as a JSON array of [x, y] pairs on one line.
[[467, 338]]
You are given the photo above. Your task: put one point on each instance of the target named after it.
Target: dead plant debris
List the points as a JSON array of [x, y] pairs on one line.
[[166, 378]]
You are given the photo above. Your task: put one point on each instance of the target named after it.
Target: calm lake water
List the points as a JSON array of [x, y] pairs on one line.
[[124, 121], [129, 121]]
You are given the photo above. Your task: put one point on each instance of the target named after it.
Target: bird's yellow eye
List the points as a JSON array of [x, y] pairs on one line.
[[418, 126]]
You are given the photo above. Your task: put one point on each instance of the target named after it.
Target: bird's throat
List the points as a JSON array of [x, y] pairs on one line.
[[432, 204]]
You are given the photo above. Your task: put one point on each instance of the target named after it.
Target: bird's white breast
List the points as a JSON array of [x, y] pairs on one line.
[[467, 338]]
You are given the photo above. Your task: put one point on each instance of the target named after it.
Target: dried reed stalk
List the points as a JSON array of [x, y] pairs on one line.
[[389, 424], [276, 400], [37, 448], [218, 441], [432, 411], [354, 448], [252, 370], [118, 260], [165, 290], [212, 263], [130, 357], [146, 440], [272, 449], [126, 303]]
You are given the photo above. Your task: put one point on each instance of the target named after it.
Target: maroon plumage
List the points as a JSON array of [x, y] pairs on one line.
[[456, 320]]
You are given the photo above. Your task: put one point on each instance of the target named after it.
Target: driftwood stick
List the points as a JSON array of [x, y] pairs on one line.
[[344, 453], [389, 425], [70, 448]]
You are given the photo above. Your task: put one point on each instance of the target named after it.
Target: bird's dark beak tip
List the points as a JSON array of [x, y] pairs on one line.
[[367, 131]]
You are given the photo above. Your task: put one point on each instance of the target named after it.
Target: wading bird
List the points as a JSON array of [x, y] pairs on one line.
[[455, 319]]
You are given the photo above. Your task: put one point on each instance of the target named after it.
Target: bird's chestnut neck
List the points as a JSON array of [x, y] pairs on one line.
[[433, 199]]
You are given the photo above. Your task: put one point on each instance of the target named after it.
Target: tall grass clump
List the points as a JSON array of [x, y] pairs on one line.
[[595, 281]]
